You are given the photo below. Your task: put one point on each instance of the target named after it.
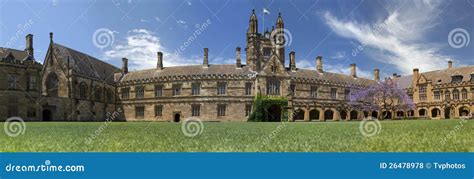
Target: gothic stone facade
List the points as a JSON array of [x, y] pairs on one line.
[[74, 86]]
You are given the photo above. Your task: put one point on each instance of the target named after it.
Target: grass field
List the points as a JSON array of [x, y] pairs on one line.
[[405, 135]]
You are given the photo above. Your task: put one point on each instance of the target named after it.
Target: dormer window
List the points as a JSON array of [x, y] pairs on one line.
[[456, 78], [267, 52]]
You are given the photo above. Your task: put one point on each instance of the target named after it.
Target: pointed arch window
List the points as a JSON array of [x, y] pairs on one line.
[[52, 82]]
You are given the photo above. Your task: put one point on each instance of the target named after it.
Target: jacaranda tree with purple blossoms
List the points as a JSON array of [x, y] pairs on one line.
[[382, 96]]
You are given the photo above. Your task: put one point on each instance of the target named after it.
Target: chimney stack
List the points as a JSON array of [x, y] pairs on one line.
[[237, 56], [376, 74], [159, 63], [450, 64], [394, 76], [124, 65], [29, 44], [206, 59], [319, 64], [292, 61], [50, 37], [353, 70]]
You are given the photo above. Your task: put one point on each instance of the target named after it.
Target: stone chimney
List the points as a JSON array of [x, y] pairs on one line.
[[292, 61], [159, 63], [206, 58], [450, 64], [29, 45], [319, 64], [353, 70], [50, 37], [394, 76], [238, 62], [415, 76], [124, 65], [376, 74]]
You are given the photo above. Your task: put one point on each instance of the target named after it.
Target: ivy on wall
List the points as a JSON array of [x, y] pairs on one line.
[[261, 105]]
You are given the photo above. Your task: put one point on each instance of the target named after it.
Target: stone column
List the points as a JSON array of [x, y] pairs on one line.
[[321, 114], [306, 114]]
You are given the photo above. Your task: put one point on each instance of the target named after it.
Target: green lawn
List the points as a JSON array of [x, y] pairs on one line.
[[406, 135]]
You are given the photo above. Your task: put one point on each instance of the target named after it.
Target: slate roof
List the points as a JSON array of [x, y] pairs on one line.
[[86, 65], [230, 69], [17, 54], [440, 76]]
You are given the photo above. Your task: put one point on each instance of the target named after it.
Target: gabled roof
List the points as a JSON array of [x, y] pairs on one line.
[[17, 54], [86, 65], [439, 76], [186, 70], [328, 76]]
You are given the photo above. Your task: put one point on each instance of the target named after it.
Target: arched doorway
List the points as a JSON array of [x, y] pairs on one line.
[[274, 113], [314, 114], [386, 115], [299, 114], [353, 115], [400, 114], [366, 114], [435, 112], [463, 111], [328, 114], [448, 113], [422, 112], [343, 115], [375, 114], [177, 117], [47, 116]]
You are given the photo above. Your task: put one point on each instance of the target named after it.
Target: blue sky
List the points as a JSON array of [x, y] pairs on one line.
[[395, 36]]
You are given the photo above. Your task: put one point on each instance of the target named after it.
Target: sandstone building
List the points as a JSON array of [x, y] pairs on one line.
[[73, 86]]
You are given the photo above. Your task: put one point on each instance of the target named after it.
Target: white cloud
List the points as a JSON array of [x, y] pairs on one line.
[[339, 55], [398, 39], [140, 47]]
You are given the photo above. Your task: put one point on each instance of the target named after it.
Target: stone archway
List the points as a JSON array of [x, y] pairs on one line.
[[274, 113], [435, 113], [422, 113], [353, 115], [314, 114], [386, 115], [47, 115], [299, 114], [375, 114], [328, 114], [464, 111], [343, 114], [177, 117]]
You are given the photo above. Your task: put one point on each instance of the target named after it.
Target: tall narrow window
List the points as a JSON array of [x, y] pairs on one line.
[[12, 82], [292, 89], [139, 91], [176, 89], [125, 93], [139, 111], [195, 110], [158, 110], [248, 109], [437, 95], [314, 92], [195, 89], [456, 94], [347, 94], [82, 91], [221, 88], [98, 93], [221, 109], [273, 87], [447, 95], [333, 93], [248, 88], [464, 94], [31, 83], [52, 82], [109, 95], [158, 90]]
